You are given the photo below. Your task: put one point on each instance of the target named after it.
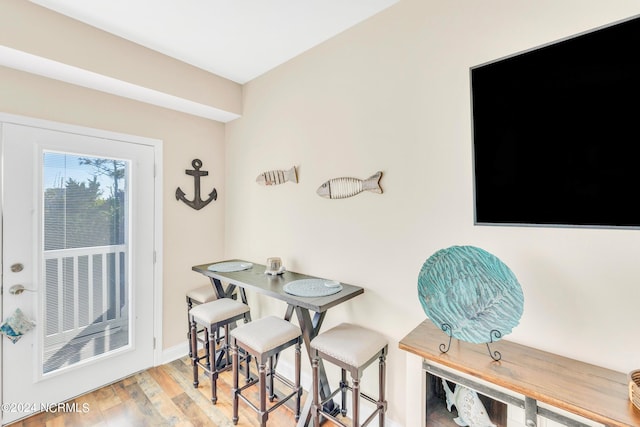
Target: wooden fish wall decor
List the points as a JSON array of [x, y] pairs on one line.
[[341, 188], [278, 177]]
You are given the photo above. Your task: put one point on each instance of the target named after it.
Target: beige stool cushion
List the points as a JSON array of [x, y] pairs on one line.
[[351, 344], [202, 294], [217, 311], [266, 334]]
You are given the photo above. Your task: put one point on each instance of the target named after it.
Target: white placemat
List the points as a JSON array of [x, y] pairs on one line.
[[312, 287], [226, 267]]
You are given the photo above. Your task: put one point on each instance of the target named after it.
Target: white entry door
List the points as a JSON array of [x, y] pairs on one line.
[[77, 261]]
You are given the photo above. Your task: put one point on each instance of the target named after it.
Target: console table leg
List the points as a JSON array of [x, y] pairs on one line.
[[530, 412]]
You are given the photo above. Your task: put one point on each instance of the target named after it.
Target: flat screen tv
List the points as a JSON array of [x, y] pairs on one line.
[[556, 133]]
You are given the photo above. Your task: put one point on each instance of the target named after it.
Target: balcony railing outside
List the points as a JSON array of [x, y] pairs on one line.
[[85, 298]]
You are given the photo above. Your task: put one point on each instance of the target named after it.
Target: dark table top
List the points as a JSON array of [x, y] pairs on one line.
[[255, 279]]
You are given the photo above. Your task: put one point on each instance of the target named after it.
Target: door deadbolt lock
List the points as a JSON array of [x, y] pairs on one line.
[[17, 267]]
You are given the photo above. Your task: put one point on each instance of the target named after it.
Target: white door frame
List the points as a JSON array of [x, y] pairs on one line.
[[157, 268]]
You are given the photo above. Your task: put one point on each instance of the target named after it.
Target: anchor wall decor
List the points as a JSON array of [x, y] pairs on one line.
[[197, 203]]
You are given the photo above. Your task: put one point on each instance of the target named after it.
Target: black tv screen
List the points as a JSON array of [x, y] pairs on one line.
[[556, 133]]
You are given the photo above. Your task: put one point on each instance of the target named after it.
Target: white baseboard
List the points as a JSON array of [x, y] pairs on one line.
[[173, 353], [285, 369]]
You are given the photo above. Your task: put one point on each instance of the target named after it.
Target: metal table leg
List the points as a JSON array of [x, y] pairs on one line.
[[310, 329]]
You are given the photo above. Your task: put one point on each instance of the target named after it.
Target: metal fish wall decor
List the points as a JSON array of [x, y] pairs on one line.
[[278, 177], [340, 188]]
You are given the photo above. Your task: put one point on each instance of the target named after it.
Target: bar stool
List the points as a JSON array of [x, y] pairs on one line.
[[211, 316], [197, 296], [264, 339], [352, 348]]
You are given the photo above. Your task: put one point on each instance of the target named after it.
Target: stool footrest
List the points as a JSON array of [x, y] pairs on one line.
[[283, 380], [338, 390], [244, 358], [364, 424], [252, 381], [371, 417], [330, 397], [333, 418], [280, 402]]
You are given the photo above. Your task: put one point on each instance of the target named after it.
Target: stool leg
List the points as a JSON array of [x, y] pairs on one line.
[[262, 371], [272, 392], [247, 367], [226, 344], [315, 391], [382, 403], [194, 349], [189, 307], [212, 363], [234, 353], [297, 380], [356, 402], [343, 390], [207, 350]]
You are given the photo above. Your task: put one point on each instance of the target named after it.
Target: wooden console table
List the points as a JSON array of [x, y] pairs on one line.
[[586, 390]]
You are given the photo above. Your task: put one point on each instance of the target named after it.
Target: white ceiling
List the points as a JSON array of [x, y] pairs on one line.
[[235, 39]]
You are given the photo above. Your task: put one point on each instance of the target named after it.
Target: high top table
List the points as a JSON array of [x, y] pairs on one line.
[[255, 279]]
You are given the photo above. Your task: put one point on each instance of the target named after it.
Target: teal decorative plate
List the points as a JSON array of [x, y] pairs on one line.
[[471, 293]]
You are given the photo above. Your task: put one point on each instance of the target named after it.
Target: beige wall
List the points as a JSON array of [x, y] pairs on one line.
[[190, 237], [33, 29], [392, 94]]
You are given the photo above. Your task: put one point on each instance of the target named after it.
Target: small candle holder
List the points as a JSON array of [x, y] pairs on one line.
[[274, 266]]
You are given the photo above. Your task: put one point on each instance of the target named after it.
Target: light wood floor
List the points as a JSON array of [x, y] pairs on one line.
[[160, 396]]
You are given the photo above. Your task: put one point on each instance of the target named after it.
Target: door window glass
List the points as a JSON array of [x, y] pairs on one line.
[[85, 246]]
